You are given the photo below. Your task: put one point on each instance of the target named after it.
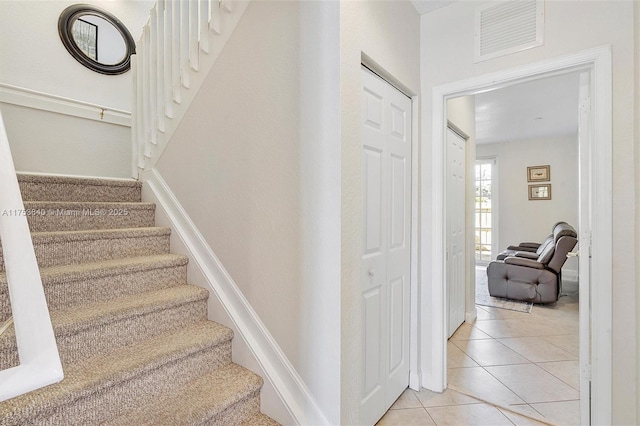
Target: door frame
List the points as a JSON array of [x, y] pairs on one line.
[[433, 285]]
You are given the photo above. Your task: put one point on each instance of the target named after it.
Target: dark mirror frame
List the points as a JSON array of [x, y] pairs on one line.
[[65, 24]]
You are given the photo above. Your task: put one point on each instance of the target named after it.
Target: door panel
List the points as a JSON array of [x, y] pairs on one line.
[[455, 229], [386, 160]]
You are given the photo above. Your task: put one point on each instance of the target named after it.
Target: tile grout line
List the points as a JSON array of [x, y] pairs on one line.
[[504, 407]]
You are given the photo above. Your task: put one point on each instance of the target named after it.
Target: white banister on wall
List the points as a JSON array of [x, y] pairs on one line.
[[179, 45], [39, 359]]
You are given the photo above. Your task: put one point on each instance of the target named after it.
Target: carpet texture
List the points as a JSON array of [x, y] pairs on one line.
[[133, 335], [483, 298]]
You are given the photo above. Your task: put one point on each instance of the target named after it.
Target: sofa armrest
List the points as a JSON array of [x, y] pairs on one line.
[[530, 245], [526, 255], [522, 248], [520, 261]]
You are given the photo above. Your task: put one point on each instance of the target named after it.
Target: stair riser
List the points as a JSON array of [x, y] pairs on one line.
[[67, 293], [74, 218], [58, 253], [104, 404], [42, 191]]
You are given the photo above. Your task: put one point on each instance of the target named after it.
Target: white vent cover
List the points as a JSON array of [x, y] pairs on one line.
[[507, 27]]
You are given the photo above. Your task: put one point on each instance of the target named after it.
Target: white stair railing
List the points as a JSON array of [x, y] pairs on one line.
[[178, 47], [39, 359]]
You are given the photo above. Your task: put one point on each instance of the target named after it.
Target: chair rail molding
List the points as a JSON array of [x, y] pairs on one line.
[[28, 98]]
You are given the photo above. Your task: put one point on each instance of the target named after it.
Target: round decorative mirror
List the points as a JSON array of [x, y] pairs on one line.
[[96, 39]]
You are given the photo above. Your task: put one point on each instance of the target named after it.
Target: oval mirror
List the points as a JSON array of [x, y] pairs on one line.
[[96, 39]]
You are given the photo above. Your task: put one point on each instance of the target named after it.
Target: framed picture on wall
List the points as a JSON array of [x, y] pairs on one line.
[[540, 192], [538, 173]]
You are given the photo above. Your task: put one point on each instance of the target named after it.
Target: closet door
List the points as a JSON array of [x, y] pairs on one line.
[[386, 167]]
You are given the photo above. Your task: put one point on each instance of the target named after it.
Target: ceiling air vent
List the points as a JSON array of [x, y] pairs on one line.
[[507, 27]]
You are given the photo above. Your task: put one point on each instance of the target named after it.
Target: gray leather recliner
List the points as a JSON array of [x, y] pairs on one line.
[[533, 277], [528, 246]]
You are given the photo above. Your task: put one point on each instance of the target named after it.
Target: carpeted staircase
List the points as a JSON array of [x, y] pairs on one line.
[[133, 336]]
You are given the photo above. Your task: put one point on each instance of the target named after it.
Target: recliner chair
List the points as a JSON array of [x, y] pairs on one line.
[[523, 276], [528, 246]]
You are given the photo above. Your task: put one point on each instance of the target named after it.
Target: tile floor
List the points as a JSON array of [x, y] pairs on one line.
[[527, 361]]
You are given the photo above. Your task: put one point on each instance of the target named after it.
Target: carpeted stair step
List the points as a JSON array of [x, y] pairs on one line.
[[260, 420], [93, 329], [62, 188], [101, 388], [65, 248], [70, 285], [47, 216], [227, 396]]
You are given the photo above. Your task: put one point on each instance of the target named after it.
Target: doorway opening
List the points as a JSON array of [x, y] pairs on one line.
[[594, 237]]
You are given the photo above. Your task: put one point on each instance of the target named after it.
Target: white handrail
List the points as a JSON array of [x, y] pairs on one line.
[[178, 46], [39, 359]]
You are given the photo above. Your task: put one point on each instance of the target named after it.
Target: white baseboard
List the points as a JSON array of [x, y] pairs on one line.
[[47, 102], [289, 386]]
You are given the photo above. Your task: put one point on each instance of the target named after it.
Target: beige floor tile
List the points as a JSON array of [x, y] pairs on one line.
[[469, 415], [479, 382], [536, 349], [500, 313], [458, 359], [446, 398], [483, 314], [489, 352], [500, 329], [567, 371], [562, 413], [533, 384], [406, 417], [408, 399], [468, 332], [567, 342]]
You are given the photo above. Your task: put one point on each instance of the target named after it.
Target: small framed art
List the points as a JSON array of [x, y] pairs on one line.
[[538, 173], [540, 192]]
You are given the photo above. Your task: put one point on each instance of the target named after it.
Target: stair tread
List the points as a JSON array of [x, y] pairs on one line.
[[101, 372], [260, 419], [199, 401], [78, 318], [84, 204], [55, 274], [78, 180]]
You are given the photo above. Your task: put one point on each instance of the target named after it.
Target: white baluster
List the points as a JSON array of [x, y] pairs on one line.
[[175, 49], [168, 41], [146, 88], [194, 58], [184, 44], [214, 16], [160, 101], [204, 25], [153, 76]]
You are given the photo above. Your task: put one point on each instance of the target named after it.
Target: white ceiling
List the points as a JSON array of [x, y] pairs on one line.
[[541, 108]]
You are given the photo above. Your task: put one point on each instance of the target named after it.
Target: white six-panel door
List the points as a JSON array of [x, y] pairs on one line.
[[456, 262], [386, 165]]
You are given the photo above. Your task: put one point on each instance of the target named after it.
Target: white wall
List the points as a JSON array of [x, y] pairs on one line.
[[255, 163], [522, 219], [39, 61], [447, 56], [34, 58], [387, 32], [46, 142]]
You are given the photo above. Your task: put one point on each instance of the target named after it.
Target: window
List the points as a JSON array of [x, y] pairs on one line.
[[484, 209]]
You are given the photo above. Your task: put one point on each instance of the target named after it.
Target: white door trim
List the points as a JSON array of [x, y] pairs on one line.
[[433, 361]]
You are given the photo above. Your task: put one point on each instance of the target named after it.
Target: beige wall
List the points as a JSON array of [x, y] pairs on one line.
[[255, 163], [388, 32], [636, 137], [447, 56]]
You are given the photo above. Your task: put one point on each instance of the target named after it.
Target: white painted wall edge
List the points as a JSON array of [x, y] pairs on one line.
[[47, 102], [286, 381]]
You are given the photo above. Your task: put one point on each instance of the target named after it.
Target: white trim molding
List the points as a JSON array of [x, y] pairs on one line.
[[433, 345], [288, 384], [58, 104]]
